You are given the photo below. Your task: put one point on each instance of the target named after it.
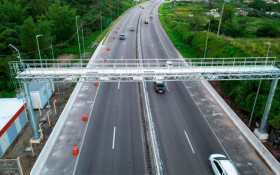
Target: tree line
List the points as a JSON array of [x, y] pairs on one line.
[[22, 20]]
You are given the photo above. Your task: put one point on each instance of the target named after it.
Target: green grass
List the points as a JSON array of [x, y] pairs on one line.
[[191, 44]]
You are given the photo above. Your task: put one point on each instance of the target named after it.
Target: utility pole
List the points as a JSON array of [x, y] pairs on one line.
[[118, 8], [37, 36], [101, 29], [78, 35], [206, 44], [52, 55], [221, 18]]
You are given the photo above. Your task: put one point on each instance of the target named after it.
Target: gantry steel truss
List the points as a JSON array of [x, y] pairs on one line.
[[133, 70]]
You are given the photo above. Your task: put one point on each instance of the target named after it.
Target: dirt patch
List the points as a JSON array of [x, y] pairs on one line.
[[275, 151], [18, 147]]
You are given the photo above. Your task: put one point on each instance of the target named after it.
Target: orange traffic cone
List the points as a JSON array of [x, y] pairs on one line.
[[95, 83], [105, 58], [84, 118], [108, 48], [116, 31], [114, 37], [75, 150]]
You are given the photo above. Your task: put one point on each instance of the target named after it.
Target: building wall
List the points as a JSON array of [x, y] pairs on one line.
[[12, 132]]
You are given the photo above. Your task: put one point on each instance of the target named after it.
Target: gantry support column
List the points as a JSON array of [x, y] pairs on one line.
[[261, 132], [31, 112]]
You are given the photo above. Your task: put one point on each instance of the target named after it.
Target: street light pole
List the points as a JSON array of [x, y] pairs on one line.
[[221, 18], [17, 51], [83, 40], [37, 36], [268, 49], [78, 35]]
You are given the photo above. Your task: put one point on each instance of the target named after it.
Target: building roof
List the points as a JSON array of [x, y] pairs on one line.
[[10, 109]]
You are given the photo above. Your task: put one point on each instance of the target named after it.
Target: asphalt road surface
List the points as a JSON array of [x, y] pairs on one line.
[[113, 141], [184, 137]]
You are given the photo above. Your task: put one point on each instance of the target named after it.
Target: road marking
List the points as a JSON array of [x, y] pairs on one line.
[[86, 128], [166, 86], [152, 45], [119, 85], [123, 43], [149, 36], [189, 141], [121, 57], [208, 123], [113, 144]]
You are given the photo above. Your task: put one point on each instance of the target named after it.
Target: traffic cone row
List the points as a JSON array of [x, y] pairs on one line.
[[95, 83]]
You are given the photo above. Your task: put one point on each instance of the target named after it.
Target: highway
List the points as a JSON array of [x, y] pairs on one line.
[[113, 142], [185, 140]]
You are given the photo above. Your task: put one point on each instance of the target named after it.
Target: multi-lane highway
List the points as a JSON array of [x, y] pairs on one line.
[[113, 141], [185, 140]]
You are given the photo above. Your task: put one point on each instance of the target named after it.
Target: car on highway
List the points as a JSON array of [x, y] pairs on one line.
[[159, 86], [221, 165], [169, 64], [131, 28], [146, 22], [122, 37], [151, 16]]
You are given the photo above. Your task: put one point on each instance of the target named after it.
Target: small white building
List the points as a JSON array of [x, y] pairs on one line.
[[40, 93], [12, 120]]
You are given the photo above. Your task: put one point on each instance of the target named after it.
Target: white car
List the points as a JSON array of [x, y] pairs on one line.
[[131, 28], [222, 165], [169, 64]]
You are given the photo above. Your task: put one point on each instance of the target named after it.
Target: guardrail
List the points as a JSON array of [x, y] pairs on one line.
[[153, 63]]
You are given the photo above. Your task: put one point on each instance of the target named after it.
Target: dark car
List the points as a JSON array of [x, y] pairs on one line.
[[122, 37], [159, 87]]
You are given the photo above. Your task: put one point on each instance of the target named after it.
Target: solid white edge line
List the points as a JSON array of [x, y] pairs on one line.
[[86, 129], [113, 142], [119, 85], [208, 123], [189, 141]]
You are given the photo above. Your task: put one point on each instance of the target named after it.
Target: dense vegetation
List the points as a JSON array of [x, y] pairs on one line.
[[240, 36], [22, 20]]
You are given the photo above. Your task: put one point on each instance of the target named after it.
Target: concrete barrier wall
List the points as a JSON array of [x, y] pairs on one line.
[[255, 142]]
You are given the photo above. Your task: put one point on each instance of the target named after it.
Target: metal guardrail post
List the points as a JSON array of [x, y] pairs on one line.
[[31, 112], [268, 105]]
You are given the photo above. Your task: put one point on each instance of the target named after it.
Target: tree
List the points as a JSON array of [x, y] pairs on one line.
[[62, 21], [268, 30], [197, 22], [228, 13], [28, 33]]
